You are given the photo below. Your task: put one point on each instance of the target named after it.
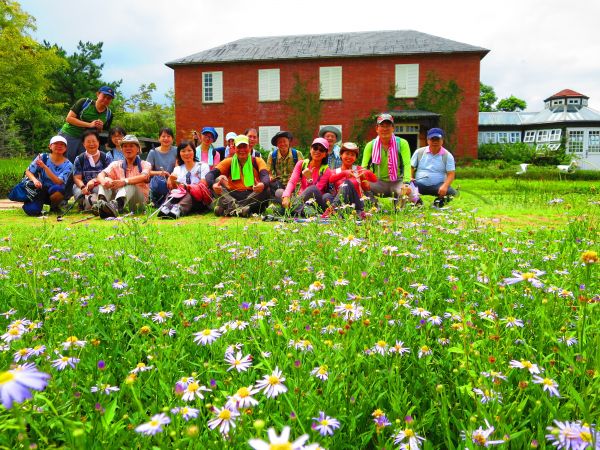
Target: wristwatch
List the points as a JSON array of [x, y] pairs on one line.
[[126, 181]]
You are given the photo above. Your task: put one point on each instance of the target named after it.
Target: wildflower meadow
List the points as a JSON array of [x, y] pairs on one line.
[[421, 329]]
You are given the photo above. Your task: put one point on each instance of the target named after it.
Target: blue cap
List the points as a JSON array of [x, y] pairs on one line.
[[107, 90], [210, 130], [435, 133]]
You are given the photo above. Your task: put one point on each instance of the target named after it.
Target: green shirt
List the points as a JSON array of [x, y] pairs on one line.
[[89, 114], [382, 170], [283, 166]]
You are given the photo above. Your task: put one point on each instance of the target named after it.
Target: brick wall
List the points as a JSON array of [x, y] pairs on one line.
[[366, 83]]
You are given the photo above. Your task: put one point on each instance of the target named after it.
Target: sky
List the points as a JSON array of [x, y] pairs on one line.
[[537, 48]]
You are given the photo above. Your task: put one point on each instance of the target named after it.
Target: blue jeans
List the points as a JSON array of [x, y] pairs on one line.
[[432, 189], [158, 190]]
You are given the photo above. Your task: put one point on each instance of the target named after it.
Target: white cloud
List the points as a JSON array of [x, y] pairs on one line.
[[537, 47]]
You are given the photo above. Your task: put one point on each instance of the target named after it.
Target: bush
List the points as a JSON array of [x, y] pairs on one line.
[[517, 152], [11, 172]]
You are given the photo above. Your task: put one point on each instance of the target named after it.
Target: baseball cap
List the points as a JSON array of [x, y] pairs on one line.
[[131, 139], [210, 130], [435, 133], [384, 118], [107, 90], [322, 141], [230, 135], [56, 139], [241, 139]]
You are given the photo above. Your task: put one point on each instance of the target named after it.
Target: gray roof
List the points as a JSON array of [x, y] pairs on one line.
[[556, 115], [413, 113], [335, 45]]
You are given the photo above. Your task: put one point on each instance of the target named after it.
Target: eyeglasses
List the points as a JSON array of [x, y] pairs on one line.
[[319, 148]]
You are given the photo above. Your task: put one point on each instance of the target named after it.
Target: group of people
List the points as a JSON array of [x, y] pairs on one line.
[[234, 180]]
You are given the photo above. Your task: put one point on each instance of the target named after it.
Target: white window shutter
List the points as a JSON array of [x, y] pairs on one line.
[[330, 79], [268, 85], [218, 87], [265, 134], [220, 139], [407, 80]]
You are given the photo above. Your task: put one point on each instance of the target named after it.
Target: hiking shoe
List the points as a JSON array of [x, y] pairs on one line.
[[97, 207], [163, 211], [175, 212], [109, 209], [438, 203], [219, 211], [244, 211]]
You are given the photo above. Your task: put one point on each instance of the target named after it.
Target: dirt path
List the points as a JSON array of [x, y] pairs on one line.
[[7, 204]]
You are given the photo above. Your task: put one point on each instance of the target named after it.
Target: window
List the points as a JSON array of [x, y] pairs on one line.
[[558, 102], [575, 142], [502, 137], [529, 136], [265, 134], [542, 135], [268, 85], [331, 82], [212, 87], [573, 101], [554, 135], [406, 129], [594, 141], [339, 127], [515, 136], [407, 80], [219, 142]]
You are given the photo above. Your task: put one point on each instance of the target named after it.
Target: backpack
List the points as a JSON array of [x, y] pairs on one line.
[[371, 166], [421, 151], [102, 158], [88, 102], [294, 157], [322, 169]]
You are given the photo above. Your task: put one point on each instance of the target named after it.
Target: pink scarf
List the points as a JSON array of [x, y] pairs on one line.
[[392, 156]]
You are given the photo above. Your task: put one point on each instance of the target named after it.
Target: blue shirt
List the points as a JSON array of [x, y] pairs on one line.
[[62, 171], [431, 170], [84, 168]]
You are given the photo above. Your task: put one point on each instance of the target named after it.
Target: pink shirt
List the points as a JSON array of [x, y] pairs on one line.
[[115, 172], [322, 183]]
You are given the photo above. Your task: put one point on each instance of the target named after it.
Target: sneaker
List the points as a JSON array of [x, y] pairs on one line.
[[163, 211], [244, 211], [97, 207], [175, 212], [109, 209], [219, 211], [438, 203]]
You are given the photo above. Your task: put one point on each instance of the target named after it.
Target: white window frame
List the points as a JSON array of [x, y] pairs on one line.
[[554, 135], [558, 102], [542, 136], [219, 142], [514, 137], [503, 137], [596, 148], [529, 136], [573, 101], [570, 141], [407, 80], [330, 79], [265, 134], [269, 85], [212, 88]]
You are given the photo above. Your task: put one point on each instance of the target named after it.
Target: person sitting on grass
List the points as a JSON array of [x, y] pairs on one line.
[[49, 174], [433, 169], [206, 152], [115, 136], [281, 162], [188, 173], [313, 176], [241, 182], [86, 169], [124, 183], [333, 136], [388, 156], [350, 182], [163, 160]]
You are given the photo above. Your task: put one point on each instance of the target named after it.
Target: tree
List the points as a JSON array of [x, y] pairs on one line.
[[25, 66], [511, 103], [305, 111], [82, 75], [487, 98], [145, 117]]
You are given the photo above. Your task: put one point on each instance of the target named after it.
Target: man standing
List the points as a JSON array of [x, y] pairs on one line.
[[242, 182], [87, 113], [388, 157], [124, 182], [433, 169], [252, 134]]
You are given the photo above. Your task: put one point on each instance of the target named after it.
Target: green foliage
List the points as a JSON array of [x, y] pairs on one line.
[[511, 103], [141, 115], [305, 110], [487, 98], [25, 67], [518, 152], [82, 75]]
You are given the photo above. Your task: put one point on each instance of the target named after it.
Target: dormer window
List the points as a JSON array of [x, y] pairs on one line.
[[573, 101], [558, 102]]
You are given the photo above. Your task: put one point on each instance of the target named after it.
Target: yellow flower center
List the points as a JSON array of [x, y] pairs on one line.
[[324, 422], [273, 380], [479, 439], [72, 339], [285, 446], [381, 343], [424, 349], [526, 364], [206, 332], [548, 382], [528, 275], [193, 387], [5, 377], [154, 423], [243, 392], [162, 314], [409, 433], [585, 436], [14, 331], [225, 414], [322, 370]]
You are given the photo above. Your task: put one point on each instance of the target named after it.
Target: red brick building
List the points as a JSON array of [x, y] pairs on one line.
[[246, 82]]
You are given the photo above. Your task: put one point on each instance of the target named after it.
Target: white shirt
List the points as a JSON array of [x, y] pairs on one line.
[[198, 172]]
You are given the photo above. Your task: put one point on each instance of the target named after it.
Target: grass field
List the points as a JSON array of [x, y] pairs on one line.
[[469, 327]]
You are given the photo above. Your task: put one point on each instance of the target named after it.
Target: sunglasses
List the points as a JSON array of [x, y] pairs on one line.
[[319, 148]]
